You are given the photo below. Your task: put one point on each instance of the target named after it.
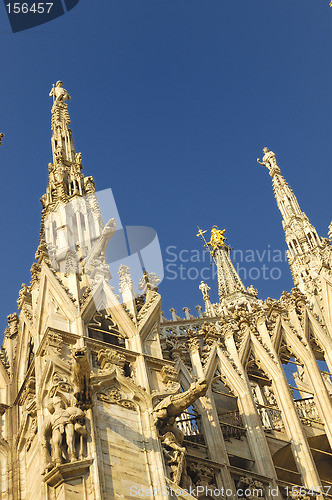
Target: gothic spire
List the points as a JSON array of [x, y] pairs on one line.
[[72, 227], [230, 287], [304, 244], [65, 177]]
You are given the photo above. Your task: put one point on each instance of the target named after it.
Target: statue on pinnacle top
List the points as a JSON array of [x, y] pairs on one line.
[[59, 93], [269, 159], [217, 239]]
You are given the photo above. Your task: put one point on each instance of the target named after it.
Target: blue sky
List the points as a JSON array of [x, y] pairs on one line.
[[172, 102]]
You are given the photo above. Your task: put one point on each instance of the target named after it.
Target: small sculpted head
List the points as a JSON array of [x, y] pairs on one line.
[[80, 354], [265, 150], [59, 83]]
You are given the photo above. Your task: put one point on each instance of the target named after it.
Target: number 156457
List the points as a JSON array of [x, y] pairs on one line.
[[24, 8]]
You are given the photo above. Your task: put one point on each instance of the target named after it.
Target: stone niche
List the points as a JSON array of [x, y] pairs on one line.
[[124, 444]]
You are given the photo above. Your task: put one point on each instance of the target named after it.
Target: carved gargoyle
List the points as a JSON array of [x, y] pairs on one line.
[[95, 262], [81, 376], [171, 436], [174, 405]]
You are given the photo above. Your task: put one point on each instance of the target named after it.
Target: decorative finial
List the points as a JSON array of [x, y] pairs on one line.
[[149, 281], [58, 93], [1, 136], [269, 161]]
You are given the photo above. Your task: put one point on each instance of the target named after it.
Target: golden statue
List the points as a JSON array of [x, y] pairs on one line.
[[217, 238]]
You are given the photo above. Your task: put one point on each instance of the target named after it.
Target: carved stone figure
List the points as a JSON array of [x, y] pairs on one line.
[[81, 376], [59, 93], [204, 288], [269, 159], [65, 425], [171, 436], [95, 261]]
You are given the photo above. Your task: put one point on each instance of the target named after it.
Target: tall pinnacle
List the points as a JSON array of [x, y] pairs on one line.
[[230, 287], [304, 244], [62, 140], [71, 219], [65, 177], [229, 282]]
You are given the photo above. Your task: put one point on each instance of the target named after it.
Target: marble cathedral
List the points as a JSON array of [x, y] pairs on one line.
[[103, 397]]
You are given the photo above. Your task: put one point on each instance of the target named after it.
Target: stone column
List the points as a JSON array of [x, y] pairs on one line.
[[213, 434]]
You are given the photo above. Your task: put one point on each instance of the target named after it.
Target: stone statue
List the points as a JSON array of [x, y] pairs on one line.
[[204, 288], [209, 309], [81, 376], [78, 158], [269, 159], [174, 405], [1, 136], [171, 436], [59, 93], [65, 425], [95, 261]]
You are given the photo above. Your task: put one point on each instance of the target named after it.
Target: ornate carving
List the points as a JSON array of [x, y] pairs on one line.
[[254, 489], [60, 385], [151, 299], [114, 396], [53, 343], [89, 187], [252, 291], [71, 265], [24, 296], [149, 281], [81, 376], [168, 374], [193, 341], [175, 347], [171, 436], [110, 358], [35, 272], [125, 279], [95, 264], [28, 402], [64, 434], [12, 329], [200, 474]]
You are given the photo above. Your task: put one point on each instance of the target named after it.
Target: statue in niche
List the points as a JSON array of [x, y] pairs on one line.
[[64, 434], [165, 414]]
